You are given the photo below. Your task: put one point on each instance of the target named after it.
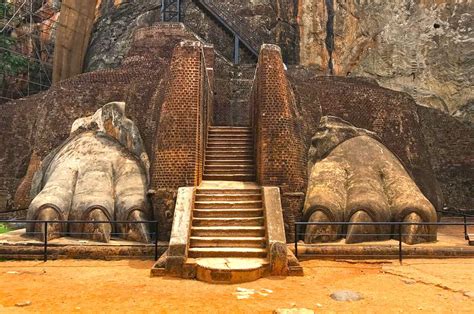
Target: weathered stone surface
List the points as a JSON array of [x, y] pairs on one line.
[[346, 295], [423, 48], [100, 174], [344, 186]]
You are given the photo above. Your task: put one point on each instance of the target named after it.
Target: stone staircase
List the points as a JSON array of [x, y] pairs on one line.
[[230, 155]]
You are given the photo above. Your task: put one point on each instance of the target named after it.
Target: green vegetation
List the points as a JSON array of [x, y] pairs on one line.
[[4, 228], [11, 63]]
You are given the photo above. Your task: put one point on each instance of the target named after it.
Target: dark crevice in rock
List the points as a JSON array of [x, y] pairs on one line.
[[330, 33]]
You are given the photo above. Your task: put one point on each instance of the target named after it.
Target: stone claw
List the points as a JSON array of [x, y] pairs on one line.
[[97, 231], [360, 233], [137, 231], [413, 234], [320, 233], [53, 229]]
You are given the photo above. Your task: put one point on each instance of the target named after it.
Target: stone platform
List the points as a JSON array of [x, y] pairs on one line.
[[16, 245], [450, 244]]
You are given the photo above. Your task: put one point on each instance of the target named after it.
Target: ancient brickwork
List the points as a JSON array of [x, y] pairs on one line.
[[279, 145], [450, 144], [179, 141]]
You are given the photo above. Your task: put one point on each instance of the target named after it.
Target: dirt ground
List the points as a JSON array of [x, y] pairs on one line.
[[74, 286]]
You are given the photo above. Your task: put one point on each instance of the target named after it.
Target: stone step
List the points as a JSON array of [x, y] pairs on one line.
[[229, 166], [231, 213], [230, 137], [229, 191], [227, 146], [230, 270], [227, 252], [259, 242], [229, 142], [229, 177], [237, 221], [241, 231], [229, 197], [230, 162], [227, 204], [235, 154], [249, 171], [229, 132]]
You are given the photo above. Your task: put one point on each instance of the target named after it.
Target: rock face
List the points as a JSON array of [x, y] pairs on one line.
[[270, 21], [98, 173], [422, 47], [343, 186]]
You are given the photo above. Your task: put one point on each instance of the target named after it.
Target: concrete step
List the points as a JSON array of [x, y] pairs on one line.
[[237, 221], [229, 166], [227, 204], [246, 231], [230, 151], [228, 197], [222, 158], [231, 213], [259, 242], [228, 142], [227, 252], [230, 132], [229, 177]]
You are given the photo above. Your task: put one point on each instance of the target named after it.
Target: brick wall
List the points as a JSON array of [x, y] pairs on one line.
[[179, 142], [280, 155]]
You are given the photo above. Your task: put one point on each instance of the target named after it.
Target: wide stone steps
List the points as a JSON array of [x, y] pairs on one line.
[[230, 162], [227, 204], [253, 242], [229, 191], [228, 197], [231, 213], [230, 177], [231, 137], [240, 231], [237, 221], [196, 252], [230, 171]]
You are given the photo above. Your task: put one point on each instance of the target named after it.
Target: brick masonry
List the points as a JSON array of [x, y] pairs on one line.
[[179, 140], [280, 153]]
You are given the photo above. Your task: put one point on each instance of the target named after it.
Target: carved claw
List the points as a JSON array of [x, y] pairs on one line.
[[413, 234], [45, 214], [97, 231], [137, 231], [320, 233], [360, 233]]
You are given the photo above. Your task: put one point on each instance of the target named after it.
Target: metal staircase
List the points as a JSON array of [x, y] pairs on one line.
[[171, 12]]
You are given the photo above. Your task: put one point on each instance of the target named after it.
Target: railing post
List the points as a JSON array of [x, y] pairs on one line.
[[156, 241], [466, 236], [400, 252], [296, 240], [45, 250], [236, 49]]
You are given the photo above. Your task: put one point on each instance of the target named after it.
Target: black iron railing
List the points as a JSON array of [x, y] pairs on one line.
[[397, 227], [45, 242]]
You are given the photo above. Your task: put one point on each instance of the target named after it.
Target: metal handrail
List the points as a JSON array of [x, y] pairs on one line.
[[227, 20], [465, 223], [46, 222]]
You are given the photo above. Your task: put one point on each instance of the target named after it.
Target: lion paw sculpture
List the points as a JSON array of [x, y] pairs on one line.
[[354, 178], [100, 173]]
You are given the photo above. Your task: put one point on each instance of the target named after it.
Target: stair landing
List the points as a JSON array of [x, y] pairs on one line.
[[230, 270]]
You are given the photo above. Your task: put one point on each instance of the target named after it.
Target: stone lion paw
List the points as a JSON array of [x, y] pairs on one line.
[[100, 173], [355, 178]]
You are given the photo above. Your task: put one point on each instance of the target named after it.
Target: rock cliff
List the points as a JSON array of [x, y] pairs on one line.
[[422, 47]]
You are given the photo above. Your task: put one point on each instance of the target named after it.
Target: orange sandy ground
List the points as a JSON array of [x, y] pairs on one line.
[[73, 286]]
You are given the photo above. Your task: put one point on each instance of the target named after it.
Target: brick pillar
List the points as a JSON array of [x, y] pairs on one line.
[[177, 146], [280, 152]]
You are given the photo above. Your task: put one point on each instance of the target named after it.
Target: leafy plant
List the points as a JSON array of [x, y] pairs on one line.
[[4, 228]]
